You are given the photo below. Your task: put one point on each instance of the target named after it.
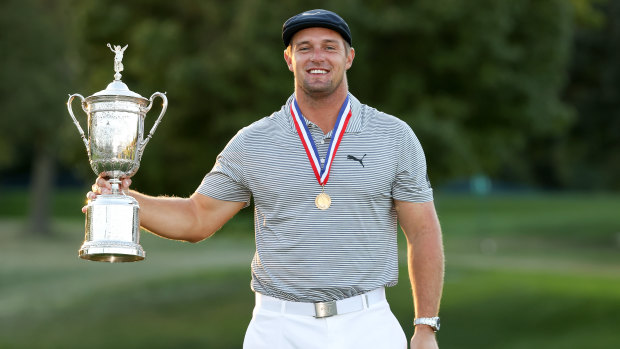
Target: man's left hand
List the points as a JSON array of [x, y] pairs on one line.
[[424, 338]]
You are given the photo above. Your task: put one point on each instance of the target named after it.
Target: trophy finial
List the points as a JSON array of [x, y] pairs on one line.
[[118, 59]]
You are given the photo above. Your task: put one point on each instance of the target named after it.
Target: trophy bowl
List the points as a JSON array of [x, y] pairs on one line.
[[115, 145]]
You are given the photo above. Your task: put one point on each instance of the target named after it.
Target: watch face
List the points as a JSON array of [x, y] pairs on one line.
[[436, 324]]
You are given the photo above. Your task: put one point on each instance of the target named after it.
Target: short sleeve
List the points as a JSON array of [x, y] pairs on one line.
[[226, 180], [411, 182]]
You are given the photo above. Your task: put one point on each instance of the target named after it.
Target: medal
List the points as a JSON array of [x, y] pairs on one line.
[[322, 201]]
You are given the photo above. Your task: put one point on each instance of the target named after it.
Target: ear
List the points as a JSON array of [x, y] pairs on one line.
[[288, 59], [350, 58]]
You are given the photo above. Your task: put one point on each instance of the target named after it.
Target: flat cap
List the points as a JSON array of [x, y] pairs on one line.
[[315, 18]]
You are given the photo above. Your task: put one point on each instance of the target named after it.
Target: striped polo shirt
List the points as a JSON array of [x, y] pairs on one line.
[[305, 254]]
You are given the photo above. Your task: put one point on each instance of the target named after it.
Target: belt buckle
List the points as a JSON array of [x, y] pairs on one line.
[[325, 309]]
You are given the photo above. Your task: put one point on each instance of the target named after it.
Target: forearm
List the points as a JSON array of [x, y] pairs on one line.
[[426, 269], [424, 255], [192, 219], [169, 217]]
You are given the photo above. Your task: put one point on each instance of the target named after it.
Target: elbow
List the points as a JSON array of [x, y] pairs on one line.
[[192, 239], [197, 236]]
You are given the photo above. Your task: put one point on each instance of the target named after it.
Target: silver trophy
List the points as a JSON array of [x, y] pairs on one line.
[[115, 145]]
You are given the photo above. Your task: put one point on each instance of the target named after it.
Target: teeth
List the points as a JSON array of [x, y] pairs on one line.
[[318, 71]]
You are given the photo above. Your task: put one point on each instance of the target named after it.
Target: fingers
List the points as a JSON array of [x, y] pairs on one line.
[[103, 186], [98, 190], [125, 183], [91, 195]]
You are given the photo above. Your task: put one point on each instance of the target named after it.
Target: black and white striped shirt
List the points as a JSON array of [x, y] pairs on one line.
[[309, 255]]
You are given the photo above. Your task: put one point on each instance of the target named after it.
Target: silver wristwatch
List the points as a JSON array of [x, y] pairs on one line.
[[430, 321]]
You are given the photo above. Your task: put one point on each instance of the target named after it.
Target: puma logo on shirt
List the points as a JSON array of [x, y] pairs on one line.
[[361, 161]]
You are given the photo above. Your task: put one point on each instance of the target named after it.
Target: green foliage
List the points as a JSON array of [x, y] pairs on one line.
[[471, 79], [475, 80], [588, 14], [36, 76], [480, 82], [35, 73], [590, 157]]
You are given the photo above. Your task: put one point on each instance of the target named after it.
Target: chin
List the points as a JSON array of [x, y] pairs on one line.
[[319, 88]]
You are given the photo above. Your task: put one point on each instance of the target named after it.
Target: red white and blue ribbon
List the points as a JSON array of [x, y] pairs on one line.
[[321, 172]]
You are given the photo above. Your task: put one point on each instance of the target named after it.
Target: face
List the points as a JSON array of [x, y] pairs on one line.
[[319, 59]]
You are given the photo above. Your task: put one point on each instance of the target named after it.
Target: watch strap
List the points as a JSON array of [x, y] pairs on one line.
[[430, 321]]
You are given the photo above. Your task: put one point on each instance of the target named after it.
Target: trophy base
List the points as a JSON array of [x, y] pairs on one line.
[[112, 230], [111, 251]]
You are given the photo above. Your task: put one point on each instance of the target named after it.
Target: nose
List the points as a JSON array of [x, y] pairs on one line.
[[317, 55]]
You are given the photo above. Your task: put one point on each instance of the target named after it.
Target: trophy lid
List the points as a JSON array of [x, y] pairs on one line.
[[117, 87]]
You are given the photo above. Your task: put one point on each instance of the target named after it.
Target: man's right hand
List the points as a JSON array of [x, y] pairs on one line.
[[103, 186]]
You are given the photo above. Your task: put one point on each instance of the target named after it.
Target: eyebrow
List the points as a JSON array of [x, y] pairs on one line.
[[325, 41]]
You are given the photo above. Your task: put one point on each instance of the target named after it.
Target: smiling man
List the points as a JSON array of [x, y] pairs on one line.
[[325, 226]]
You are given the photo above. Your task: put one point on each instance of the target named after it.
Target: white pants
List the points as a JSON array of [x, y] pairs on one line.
[[372, 327]]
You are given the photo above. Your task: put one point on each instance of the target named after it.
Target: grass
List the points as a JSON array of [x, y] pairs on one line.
[[576, 218], [504, 308], [184, 310], [66, 204], [522, 272], [181, 294]]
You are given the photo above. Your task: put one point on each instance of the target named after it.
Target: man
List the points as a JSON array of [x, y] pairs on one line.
[[330, 179]]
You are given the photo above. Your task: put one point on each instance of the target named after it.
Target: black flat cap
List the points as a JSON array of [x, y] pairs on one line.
[[315, 18]]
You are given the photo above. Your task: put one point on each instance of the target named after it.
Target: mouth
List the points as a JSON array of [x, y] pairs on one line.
[[317, 71]]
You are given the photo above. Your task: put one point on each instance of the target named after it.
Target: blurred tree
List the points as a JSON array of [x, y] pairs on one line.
[[34, 77], [477, 80], [591, 151]]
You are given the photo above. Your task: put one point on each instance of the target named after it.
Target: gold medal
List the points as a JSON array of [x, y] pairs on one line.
[[323, 201]]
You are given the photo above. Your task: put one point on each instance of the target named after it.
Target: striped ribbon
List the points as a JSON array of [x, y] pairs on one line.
[[321, 172]]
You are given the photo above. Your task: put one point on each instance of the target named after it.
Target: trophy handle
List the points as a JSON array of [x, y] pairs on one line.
[[161, 114], [77, 124]]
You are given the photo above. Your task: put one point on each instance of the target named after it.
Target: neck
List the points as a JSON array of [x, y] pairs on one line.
[[321, 110]]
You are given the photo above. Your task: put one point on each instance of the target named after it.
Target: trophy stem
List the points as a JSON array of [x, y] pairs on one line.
[[116, 185]]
